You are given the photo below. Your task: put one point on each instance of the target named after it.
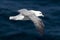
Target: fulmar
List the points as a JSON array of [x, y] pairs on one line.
[[32, 15]]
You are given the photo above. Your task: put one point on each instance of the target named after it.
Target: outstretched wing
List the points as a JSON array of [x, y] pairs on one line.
[[38, 24]]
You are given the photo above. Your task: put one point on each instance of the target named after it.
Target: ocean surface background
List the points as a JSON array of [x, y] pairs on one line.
[[25, 30]]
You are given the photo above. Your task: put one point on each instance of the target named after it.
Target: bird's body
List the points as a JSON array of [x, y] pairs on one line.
[[30, 15]]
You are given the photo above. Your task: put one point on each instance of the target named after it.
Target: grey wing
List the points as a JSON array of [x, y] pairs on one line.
[[40, 27], [39, 24]]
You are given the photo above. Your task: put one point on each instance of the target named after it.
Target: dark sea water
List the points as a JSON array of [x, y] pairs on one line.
[[25, 30]]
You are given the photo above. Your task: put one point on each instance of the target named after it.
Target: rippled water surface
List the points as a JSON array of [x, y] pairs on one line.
[[25, 30]]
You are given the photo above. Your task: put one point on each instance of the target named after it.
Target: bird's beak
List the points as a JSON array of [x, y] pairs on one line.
[[42, 15]]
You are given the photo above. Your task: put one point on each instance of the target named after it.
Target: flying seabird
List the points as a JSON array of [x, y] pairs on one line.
[[32, 15]]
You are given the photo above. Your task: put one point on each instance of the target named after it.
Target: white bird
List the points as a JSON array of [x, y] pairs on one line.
[[30, 15]]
